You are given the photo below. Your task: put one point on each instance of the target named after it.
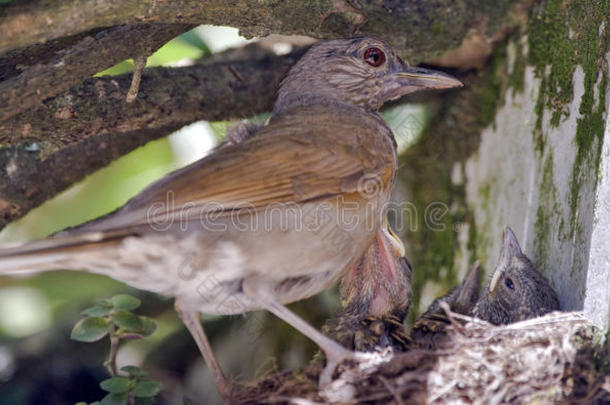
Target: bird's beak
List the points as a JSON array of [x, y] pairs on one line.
[[510, 249], [416, 77], [469, 290], [408, 79], [397, 247]]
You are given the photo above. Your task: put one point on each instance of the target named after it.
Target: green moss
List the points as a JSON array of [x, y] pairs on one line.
[[564, 35], [494, 87], [451, 137], [516, 80], [549, 45], [546, 215], [437, 27], [484, 193], [436, 244], [539, 109]]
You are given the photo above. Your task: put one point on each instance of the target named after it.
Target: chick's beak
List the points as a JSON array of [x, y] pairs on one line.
[[397, 247], [510, 249]]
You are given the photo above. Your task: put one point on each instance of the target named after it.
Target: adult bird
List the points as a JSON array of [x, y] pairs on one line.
[[271, 220]]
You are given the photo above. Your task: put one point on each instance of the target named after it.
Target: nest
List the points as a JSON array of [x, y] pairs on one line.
[[558, 358]]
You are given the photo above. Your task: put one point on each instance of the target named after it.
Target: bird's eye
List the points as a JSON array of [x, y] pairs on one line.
[[509, 283], [374, 56]]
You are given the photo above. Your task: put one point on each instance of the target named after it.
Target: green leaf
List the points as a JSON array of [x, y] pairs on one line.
[[97, 310], [105, 303], [128, 321], [149, 326], [124, 301], [115, 398], [134, 371], [90, 329], [115, 384], [147, 389]]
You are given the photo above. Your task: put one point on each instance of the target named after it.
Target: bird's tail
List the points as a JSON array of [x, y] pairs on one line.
[[53, 253]]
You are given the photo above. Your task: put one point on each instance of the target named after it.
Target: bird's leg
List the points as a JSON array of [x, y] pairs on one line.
[[334, 352], [192, 321]]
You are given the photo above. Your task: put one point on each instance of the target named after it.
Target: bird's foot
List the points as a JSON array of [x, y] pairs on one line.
[[225, 389], [335, 354]]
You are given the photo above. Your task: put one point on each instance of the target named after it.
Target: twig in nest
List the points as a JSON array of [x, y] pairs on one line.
[[395, 392], [140, 64], [451, 319]]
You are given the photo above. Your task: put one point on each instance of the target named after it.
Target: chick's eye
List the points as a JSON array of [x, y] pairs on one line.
[[509, 283], [374, 56]]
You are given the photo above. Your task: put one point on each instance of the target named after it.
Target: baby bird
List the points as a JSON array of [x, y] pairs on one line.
[[515, 292], [429, 331], [376, 294]]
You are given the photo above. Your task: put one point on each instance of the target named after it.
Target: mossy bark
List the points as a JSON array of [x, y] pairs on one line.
[[554, 73]]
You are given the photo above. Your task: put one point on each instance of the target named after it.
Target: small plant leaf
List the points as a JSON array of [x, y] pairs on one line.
[[126, 302], [134, 371], [115, 398], [115, 384], [97, 310], [128, 321], [90, 329], [105, 303], [149, 325], [147, 389]]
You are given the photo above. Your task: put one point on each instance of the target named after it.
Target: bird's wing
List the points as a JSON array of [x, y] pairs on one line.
[[280, 164], [286, 162]]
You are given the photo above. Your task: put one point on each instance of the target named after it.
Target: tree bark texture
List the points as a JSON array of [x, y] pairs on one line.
[[51, 111]]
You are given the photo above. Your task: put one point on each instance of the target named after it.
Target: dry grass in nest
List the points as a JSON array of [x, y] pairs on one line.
[[558, 358]]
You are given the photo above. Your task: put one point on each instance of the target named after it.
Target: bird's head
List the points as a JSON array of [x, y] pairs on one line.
[[359, 71], [516, 291]]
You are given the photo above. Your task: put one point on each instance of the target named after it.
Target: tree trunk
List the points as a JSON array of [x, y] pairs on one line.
[[526, 144]]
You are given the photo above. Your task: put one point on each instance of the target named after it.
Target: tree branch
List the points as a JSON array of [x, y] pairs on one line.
[[82, 59], [84, 129], [419, 30]]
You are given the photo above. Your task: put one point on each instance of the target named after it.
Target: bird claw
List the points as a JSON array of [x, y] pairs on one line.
[[333, 359]]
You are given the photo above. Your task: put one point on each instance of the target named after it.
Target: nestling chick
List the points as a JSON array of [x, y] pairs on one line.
[[516, 291], [376, 294], [429, 331]]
